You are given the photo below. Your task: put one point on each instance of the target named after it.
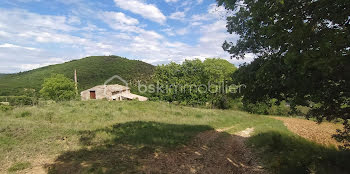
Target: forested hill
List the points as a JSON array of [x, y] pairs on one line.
[[91, 71]]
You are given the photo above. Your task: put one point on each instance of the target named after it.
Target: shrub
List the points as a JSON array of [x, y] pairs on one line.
[[271, 108], [257, 108], [278, 109], [5, 108], [236, 104], [222, 102], [302, 110], [18, 100], [24, 114]]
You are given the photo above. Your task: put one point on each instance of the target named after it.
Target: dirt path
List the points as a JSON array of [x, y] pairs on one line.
[[320, 133], [213, 151], [209, 152]]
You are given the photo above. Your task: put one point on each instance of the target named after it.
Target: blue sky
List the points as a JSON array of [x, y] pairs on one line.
[[35, 33]]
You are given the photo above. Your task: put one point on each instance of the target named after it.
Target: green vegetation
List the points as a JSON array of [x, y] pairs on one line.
[[18, 100], [58, 88], [5, 108], [195, 82], [283, 152], [271, 108], [91, 71], [100, 134], [302, 53], [19, 166]]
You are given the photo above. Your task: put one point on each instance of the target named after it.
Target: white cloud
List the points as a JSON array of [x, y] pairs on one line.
[[74, 20], [171, 1], [196, 23], [178, 16], [7, 45], [121, 18], [119, 21], [199, 1], [182, 31], [213, 12], [27, 67], [169, 31], [4, 34], [148, 11], [23, 20]]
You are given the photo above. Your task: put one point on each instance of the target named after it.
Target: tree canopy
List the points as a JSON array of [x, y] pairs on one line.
[[58, 88], [303, 54], [189, 82]]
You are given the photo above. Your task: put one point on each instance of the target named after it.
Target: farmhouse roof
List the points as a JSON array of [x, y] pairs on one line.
[[112, 88]]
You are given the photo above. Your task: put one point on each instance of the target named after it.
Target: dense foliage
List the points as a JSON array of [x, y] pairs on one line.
[[303, 54], [91, 71], [58, 88], [18, 100], [194, 82]]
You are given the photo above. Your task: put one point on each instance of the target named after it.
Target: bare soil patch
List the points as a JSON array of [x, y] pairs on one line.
[[209, 152], [319, 133]]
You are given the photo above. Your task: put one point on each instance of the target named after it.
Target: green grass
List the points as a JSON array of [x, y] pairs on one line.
[[19, 166], [101, 134]]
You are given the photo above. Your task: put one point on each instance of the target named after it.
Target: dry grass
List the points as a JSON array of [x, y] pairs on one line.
[[319, 133]]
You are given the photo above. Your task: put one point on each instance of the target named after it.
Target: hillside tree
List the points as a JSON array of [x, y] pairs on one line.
[[58, 88]]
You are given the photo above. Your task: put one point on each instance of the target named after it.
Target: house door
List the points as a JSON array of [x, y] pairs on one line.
[[92, 95]]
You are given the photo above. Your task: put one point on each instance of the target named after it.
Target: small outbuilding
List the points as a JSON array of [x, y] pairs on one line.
[[110, 92]]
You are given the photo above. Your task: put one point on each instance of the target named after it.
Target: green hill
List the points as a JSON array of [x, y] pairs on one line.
[[91, 71]]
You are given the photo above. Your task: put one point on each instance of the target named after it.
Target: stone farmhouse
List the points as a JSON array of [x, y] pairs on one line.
[[110, 92]]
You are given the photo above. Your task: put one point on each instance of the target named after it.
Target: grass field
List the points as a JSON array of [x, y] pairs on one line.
[[117, 137]]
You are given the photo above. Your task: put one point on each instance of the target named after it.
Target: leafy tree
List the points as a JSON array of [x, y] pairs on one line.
[[188, 83], [218, 70], [58, 88], [303, 54]]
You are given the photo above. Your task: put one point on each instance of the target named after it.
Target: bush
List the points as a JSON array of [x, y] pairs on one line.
[[302, 110], [5, 108], [278, 109], [257, 108], [18, 100], [271, 108], [24, 114], [222, 102], [236, 104]]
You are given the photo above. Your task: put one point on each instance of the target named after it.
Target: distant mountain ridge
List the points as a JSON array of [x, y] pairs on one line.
[[91, 71]]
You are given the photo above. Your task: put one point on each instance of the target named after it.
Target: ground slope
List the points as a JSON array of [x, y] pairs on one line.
[[91, 71], [154, 137]]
